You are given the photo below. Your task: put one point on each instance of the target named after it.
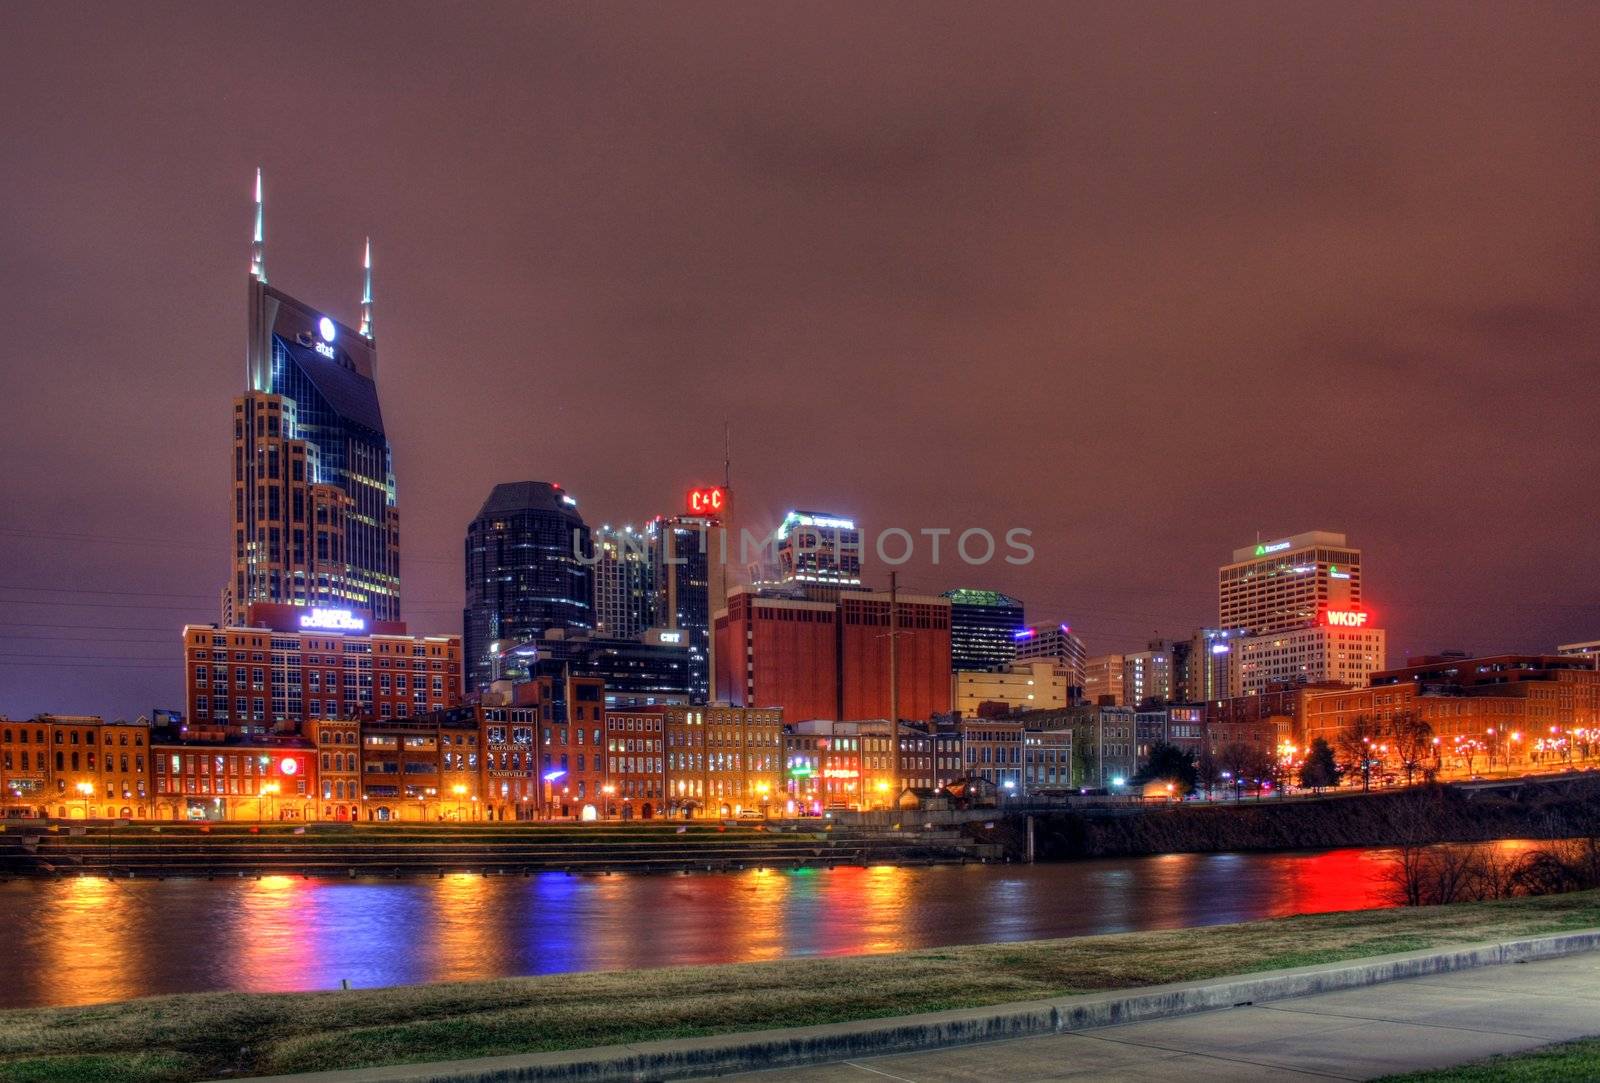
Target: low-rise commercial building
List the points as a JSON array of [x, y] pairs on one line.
[[74, 767], [1022, 686], [1505, 712]]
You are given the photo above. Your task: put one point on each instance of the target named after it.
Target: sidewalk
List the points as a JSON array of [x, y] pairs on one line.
[[1418, 1023]]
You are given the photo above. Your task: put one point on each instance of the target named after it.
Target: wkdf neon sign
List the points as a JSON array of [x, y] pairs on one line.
[[1345, 618]]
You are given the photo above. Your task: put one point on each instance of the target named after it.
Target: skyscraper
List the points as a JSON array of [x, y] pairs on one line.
[[680, 556], [623, 583], [818, 554], [1280, 585], [983, 628], [528, 569], [1301, 598], [315, 521]]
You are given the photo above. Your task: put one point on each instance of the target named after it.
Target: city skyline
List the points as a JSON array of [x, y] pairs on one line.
[[1345, 366]]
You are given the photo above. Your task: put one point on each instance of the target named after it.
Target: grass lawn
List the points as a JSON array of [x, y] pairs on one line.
[[1569, 1062], [204, 1035]]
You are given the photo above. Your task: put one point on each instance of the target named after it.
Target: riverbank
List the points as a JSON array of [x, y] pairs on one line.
[[1536, 809], [351, 850], [207, 1035]]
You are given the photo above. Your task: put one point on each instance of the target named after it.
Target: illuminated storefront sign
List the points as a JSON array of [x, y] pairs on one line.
[[333, 620], [288, 766], [1345, 618], [840, 772], [706, 501]]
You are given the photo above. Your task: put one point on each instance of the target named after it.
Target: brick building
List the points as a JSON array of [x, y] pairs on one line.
[[289, 665], [830, 659]]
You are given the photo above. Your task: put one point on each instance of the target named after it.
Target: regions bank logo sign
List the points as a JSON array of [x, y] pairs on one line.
[[709, 500]]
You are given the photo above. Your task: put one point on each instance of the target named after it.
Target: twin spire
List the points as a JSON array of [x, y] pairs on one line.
[[258, 261]]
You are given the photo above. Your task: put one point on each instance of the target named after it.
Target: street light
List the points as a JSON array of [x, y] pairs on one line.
[[460, 791], [267, 790], [87, 790], [608, 789]]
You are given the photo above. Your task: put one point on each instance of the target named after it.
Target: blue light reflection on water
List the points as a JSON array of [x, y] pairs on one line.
[[78, 941]]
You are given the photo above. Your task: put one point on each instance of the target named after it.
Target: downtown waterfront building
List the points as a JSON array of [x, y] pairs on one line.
[[282, 666], [682, 549], [314, 513], [1301, 598], [984, 627], [623, 582], [1058, 645], [529, 569], [830, 659]]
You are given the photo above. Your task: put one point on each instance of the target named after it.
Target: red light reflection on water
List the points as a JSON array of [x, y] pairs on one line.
[[82, 940]]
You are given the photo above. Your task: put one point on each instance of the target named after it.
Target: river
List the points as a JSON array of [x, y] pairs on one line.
[[83, 940]]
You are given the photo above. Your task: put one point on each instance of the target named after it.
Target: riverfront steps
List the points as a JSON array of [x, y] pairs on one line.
[[39, 849]]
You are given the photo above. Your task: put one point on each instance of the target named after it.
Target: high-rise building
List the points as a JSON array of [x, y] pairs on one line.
[[1102, 681], [818, 554], [1278, 585], [315, 521], [830, 660], [528, 569], [650, 670], [983, 628], [1202, 674], [681, 549], [1056, 644], [1147, 675], [623, 583], [1312, 655], [1301, 599]]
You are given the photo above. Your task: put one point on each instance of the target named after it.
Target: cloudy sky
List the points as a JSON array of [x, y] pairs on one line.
[[1148, 280]]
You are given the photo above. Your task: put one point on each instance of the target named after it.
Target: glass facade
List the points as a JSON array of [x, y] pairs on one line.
[[528, 570], [983, 628]]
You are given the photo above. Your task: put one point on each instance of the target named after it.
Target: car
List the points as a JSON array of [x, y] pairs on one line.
[[750, 814]]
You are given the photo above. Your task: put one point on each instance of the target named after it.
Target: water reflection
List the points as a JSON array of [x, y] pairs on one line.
[[78, 941]]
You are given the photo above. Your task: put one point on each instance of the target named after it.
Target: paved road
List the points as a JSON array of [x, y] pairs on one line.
[[1401, 1026]]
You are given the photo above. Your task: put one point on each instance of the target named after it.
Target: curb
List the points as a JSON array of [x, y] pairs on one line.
[[683, 1058]]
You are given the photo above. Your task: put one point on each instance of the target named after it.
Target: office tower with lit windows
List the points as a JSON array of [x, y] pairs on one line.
[[529, 568], [817, 555], [1301, 598], [1056, 644], [681, 551], [315, 521], [1279, 585], [623, 583], [1201, 674], [983, 628]]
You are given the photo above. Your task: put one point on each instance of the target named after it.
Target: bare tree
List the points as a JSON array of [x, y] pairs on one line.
[[1412, 740], [1355, 749]]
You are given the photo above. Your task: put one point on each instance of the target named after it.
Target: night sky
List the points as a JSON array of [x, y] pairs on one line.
[[1150, 280]]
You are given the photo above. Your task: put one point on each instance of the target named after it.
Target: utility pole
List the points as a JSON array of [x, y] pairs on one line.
[[894, 689]]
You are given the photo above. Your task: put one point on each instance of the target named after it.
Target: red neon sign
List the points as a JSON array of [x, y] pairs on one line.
[[707, 501], [1345, 618]]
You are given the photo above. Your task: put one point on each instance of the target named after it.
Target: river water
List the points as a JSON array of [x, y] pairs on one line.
[[78, 941]]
